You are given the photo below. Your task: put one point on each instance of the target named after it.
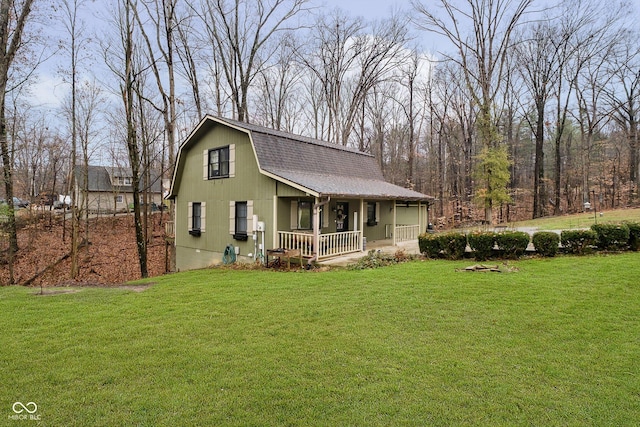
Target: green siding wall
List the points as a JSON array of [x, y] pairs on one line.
[[248, 184]]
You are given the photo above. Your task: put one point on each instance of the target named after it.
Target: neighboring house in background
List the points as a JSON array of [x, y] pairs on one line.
[[110, 189], [257, 189]]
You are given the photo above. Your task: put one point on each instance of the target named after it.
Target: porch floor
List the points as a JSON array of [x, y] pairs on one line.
[[385, 246]]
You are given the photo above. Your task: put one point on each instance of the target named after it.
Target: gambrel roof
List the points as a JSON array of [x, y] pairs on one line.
[[316, 167]]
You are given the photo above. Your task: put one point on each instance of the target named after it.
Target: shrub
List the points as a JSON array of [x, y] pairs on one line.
[[612, 237], [546, 243], [448, 245], [453, 245], [513, 243], [373, 259], [429, 245], [578, 241], [634, 236], [482, 244]]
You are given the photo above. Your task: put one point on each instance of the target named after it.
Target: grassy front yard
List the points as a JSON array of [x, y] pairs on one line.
[[581, 220], [553, 342]]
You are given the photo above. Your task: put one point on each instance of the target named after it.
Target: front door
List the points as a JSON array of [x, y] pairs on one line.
[[342, 217]]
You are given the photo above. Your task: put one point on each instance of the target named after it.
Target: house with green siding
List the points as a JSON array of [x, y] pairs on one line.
[[244, 189]]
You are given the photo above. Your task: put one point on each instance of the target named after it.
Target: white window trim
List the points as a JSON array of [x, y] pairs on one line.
[[232, 162], [203, 211], [295, 215], [232, 216]]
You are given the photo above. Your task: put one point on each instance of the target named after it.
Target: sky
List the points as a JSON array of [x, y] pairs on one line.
[[49, 89], [368, 9]]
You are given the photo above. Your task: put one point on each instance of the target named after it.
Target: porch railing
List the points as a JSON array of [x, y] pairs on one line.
[[169, 229], [407, 232], [332, 244]]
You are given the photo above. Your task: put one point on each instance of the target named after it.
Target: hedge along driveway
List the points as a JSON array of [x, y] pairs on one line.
[[553, 343]]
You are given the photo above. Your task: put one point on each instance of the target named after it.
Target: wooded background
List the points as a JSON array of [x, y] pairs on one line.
[[501, 109]]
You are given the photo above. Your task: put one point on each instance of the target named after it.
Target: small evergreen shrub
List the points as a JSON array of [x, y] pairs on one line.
[[482, 243], [612, 237], [512, 243], [578, 241], [634, 236], [546, 243], [429, 244], [453, 245]]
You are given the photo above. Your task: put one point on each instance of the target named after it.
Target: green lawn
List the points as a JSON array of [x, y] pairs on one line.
[[555, 343], [581, 220]]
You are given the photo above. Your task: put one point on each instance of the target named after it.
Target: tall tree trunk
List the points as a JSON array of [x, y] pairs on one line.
[[132, 142], [13, 19], [539, 193], [8, 186], [634, 173]]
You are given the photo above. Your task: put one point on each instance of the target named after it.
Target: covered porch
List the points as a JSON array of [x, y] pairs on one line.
[[324, 228]]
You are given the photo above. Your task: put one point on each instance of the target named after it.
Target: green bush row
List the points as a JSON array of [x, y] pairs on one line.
[[513, 244], [578, 241], [546, 243], [605, 237], [443, 245]]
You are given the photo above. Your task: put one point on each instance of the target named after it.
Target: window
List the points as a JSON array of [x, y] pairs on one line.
[[196, 218], [241, 221], [373, 212], [305, 217], [302, 215], [219, 163], [119, 198], [123, 180]]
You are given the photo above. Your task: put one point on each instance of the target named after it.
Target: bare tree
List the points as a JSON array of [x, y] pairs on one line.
[[126, 67], [187, 48], [276, 103], [587, 31], [539, 57], [13, 19], [239, 32], [31, 138], [623, 98], [88, 101], [162, 16], [349, 61], [75, 29], [409, 81], [482, 57]]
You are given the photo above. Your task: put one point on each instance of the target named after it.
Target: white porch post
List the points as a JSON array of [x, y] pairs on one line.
[[395, 214], [316, 227], [419, 216], [274, 226], [361, 227]]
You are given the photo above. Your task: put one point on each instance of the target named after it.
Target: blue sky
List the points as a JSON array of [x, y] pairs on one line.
[[369, 9]]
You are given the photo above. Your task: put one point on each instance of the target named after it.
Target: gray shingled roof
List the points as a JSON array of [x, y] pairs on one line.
[[100, 179], [324, 168]]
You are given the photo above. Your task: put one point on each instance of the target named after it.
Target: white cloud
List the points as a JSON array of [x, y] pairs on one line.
[[48, 91]]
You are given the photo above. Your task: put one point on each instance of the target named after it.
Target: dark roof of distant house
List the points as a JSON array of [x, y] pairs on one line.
[[315, 166], [101, 179]]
